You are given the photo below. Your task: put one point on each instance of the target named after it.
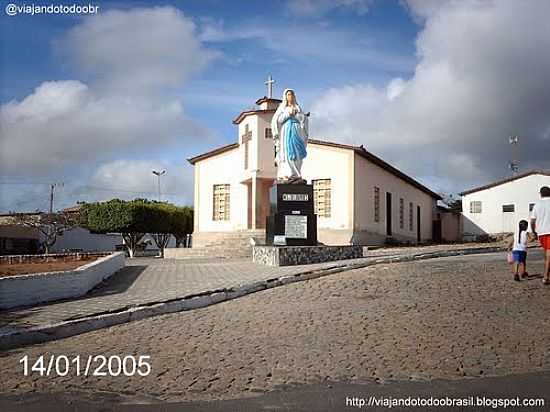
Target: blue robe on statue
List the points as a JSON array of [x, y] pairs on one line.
[[295, 147]]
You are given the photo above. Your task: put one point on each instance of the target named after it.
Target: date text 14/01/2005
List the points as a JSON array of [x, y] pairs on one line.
[[98, 365]]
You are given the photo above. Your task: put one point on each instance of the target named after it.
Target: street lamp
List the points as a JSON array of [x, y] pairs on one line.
[[159, 174]]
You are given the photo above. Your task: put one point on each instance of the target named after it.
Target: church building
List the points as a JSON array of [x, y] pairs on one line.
[[358, 197]]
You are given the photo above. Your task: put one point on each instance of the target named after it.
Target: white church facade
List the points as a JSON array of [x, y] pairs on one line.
[[359, 198]]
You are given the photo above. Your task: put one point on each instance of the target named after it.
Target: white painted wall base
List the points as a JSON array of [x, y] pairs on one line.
[[36, 288]]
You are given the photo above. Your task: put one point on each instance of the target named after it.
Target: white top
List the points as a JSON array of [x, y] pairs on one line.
[[541, 214], [520, 244]]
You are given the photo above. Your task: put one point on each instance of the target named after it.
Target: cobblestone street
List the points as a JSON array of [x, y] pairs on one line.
[[148, 280], [441, 318]]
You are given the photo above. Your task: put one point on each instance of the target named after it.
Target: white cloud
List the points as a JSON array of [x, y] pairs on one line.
[[135, 63], [310, 43], [137, 49], [319, 7], [395, 88], [482, 76], [64, 124], [136, 179]]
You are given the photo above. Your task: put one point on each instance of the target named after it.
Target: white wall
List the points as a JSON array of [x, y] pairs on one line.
[[45, 287], [325, 162], [451, 226], [225, 168], [265, 148], [80, 238], [492, 220], [367, 176]]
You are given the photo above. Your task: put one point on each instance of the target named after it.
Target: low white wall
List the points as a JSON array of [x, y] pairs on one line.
[[36, 288]]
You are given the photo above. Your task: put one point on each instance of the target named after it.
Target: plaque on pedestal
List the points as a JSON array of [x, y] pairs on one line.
[[291, 221]]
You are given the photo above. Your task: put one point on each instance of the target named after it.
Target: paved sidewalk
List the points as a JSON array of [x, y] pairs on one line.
[[150, 280]]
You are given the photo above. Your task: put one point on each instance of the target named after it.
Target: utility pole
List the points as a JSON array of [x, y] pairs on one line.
[[52, 189], [159, 174]]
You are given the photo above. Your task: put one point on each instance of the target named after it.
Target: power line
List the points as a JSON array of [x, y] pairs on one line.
[[25, 183], [130, 191], [95, 188]]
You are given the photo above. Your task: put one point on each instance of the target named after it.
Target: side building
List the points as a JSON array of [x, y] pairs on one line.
[[499, 206]]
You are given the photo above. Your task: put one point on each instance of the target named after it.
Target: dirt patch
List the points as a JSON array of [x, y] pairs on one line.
[[42, 267]]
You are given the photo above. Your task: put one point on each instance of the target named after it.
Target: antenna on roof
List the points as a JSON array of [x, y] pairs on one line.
[[513, 165]]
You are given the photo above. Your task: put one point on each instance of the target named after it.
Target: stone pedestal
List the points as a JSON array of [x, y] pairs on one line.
[[303, 255], [291, 221]]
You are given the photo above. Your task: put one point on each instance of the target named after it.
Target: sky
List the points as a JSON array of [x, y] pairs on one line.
[[95, 102]]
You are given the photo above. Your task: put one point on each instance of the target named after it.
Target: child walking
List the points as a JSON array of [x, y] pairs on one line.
[[519, 251]]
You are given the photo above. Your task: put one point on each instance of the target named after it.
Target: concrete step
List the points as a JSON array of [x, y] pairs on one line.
[[209, 254], [227, 238]]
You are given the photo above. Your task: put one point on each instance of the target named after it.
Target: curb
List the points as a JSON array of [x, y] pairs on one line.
[[45, 333]]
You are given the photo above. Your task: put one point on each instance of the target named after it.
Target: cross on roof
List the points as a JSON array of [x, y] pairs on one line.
[[247, 134], [269, 83]]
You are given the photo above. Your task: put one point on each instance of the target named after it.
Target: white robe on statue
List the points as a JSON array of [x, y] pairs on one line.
[[287, 167]]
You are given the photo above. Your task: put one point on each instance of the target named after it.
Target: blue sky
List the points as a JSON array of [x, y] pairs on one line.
[[100, 100], [386, 31]]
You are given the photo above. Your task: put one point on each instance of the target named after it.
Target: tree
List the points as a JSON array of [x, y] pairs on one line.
[[182, 223], [50, 225], [161, 224], [172, 220], [136, 218], [131, 219]]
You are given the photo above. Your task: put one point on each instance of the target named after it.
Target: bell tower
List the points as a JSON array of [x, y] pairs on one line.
[[256, 163]]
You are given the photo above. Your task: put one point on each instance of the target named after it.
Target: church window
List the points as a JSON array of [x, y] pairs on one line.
[[268, 133], [475, 207], [410, 216], [221, 202], [376, 204], [321, 197], [401, 213]]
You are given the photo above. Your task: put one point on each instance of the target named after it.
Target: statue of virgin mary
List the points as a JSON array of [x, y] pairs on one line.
[[289, 127]]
